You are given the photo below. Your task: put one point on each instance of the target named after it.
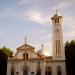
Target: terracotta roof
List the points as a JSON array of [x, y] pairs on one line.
[[25, 47], [48, 57]]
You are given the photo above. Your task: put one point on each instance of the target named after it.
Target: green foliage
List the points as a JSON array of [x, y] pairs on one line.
[[72, 42], [7, 51], [67, 43], [70, 56]]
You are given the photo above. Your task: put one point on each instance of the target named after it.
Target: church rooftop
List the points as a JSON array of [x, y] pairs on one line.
[[25, 47]]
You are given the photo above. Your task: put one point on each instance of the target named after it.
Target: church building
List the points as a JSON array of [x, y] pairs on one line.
[[27, 61]]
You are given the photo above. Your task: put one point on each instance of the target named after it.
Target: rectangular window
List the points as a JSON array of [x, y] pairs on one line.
[[58, 47], [23, 56]]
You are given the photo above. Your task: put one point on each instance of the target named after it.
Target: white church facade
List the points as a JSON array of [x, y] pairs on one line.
[[27, 61]]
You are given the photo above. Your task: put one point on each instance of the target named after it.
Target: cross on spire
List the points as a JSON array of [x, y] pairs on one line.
[[42, 46], [25, 40], [56, 12]]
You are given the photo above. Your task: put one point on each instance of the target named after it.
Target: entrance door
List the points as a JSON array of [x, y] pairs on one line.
[[25, 72], [38, 73]]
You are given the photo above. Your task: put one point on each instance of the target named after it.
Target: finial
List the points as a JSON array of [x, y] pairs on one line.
[[42, 46], [56, 12], [25, 40]]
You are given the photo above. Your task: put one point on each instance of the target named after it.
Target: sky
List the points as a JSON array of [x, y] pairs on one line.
[[32, 19]]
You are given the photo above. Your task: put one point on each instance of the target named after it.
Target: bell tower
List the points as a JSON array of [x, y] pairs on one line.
[[57, 35]]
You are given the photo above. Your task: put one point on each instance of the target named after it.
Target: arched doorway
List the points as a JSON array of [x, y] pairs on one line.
[[48, 70], [38, 71], [12, 68], [12, 71], [59, 72], [25, 70]]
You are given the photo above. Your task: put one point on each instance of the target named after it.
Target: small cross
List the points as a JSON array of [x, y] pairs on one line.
[[25, 40], [56, 12], [42, 46]]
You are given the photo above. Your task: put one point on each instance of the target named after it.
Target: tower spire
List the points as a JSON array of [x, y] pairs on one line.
[[25, 40], [56, 12], [58, 48], [42, 46]]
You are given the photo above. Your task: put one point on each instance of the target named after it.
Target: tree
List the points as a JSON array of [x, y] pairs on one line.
[[4, 54], [7, 51], [70, 57], [3, 63]]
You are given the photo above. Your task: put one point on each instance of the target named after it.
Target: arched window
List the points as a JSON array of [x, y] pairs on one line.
[[57, 20], [59, 70], [38, 71], [32, 73], [17, 73], [25, 56], [48, 70], [12, 71], [12, 68]]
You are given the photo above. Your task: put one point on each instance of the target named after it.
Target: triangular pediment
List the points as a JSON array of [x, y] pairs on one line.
[[25, 47]]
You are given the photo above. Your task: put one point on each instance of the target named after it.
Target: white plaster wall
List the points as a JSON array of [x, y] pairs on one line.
[[31, 67], [9, 69], [57, 36], [54, 66], [18, 66], [30, 54], [42, 65]]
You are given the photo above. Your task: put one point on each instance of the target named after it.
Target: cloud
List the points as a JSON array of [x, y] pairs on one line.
[[72, 1], [1, 33], [42, 31], [45, 36], [63, 5], [24, 1], [8, 12], [37, 16], [69, 35], [69, 28], [69, 20]]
